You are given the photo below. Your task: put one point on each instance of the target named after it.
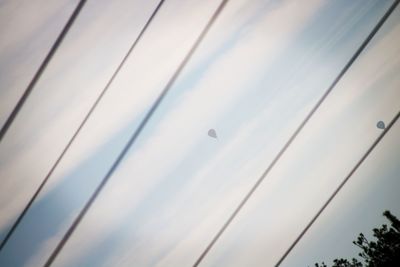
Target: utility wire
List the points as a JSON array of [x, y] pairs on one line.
[[32, 199], [41, 69], [298, 130], [135, 135], [346, 179]]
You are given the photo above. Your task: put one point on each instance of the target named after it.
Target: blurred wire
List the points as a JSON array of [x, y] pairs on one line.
[[365, 155], [135, 134], [32, 199], [298, 130], [40, 71]]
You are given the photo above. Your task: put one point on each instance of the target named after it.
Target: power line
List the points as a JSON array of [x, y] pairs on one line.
[[135, 135], [41, 69], [71, 141], [298, 130], [338, 189]]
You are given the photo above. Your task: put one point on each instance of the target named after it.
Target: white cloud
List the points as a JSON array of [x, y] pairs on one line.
[[179, 127], [178, 132]]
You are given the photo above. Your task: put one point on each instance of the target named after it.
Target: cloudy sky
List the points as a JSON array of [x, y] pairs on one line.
[[258, 72]]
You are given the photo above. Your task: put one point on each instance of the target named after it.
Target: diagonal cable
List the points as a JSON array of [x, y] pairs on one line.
[[346, 179], [41, 69], [71, 141], [298, 130], [135, 135]]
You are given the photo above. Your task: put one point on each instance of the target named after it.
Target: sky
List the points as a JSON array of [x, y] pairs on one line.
[[258, 72]]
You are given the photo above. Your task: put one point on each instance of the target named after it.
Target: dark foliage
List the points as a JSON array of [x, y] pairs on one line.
[[383, 252]]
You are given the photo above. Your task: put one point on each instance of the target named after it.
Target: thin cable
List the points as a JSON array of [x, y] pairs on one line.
[[41, 69], [298, 130], [135, 135], [338, 189], [27, 207]]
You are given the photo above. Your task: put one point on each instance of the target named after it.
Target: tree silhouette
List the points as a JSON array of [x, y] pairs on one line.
[[384, 252]]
